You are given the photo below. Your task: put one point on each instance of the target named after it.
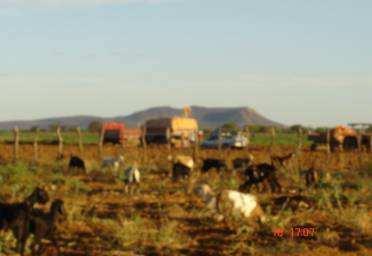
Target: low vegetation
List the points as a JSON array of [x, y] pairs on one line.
[[164, 219]]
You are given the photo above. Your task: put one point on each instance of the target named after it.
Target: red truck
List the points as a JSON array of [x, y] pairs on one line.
[[118, 133]]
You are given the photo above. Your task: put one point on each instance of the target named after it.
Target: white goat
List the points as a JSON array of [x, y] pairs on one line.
[[182, 166], [230, 203], [131, 178], [113, 163]]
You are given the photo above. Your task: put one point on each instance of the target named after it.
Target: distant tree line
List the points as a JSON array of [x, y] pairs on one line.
[[230, 127], [233, 128], [94, 126]]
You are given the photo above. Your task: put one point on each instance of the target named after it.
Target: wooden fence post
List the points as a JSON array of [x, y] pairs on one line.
[[80, 140], [299, 139], [36, 146], [273, 135], [60, 143], [16, 144], [298, 151], [328, 141], [248, 134], [328, 146], [195, 149], [144, 143], [360, 147], [100, 143], [359, 141], [219, 141], [169, 141]]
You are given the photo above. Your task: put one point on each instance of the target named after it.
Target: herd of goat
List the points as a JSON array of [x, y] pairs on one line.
[[23, 219]]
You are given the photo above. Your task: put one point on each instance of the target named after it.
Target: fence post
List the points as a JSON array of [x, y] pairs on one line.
[[298, 150], [196, 148], [328, 141], [328, 146], [299, 138], [80, 140], [219, 141], [144, 143], [273, 135], [36, 146], [359, 141], [248, 134], [60, 143], [169, 141], [100, 143], [360, 147], [16, 144]]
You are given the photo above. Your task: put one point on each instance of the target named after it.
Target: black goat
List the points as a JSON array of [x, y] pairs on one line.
[[241, 163], [180, 171], [76, 163], [43, 225], [213, 163], [261, 173], [16, 216]]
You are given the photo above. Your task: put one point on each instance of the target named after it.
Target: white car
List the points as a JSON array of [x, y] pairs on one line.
[[226, 140]]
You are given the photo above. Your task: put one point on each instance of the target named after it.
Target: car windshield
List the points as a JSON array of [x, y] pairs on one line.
[[227, 135], [224, 135]]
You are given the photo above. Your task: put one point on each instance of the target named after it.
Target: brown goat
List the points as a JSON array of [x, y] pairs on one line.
[[43, 225], [282, 160], [311, 176], [16, 216]]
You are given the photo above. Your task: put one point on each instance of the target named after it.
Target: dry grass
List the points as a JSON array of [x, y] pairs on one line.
[[165, 220]]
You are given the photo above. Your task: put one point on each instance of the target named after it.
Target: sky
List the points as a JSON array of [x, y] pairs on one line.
[[294, 61]]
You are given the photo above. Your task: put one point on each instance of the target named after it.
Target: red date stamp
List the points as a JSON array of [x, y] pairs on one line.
[[300, 232], [303, 232]]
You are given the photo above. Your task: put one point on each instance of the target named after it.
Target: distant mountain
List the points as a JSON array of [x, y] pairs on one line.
[[82, 121], [207, 117]]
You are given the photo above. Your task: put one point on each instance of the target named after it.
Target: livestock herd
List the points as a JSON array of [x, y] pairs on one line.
[[25, 220]]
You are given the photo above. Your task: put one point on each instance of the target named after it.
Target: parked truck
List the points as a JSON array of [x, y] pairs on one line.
[[177, 131], [118, 133], [341, 137]]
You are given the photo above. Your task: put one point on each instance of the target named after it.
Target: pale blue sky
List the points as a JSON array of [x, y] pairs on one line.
[[295, 61]]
